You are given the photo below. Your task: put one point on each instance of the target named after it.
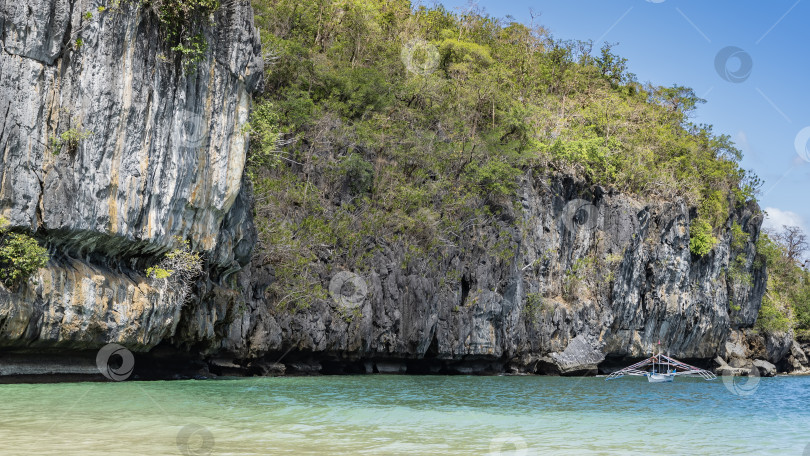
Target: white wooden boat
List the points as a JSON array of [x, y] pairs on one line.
[[653, 377], [661, 369]]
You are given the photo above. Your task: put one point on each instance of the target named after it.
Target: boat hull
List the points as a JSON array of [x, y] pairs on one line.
[[660, 378]]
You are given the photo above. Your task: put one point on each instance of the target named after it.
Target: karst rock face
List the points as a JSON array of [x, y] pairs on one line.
[[161, 154], [581, 275], [576, 275]]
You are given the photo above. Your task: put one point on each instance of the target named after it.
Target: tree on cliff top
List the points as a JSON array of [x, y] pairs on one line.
[[794, 241], [786, 304]]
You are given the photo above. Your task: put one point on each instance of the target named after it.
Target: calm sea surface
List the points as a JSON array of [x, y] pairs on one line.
[[408, 415]]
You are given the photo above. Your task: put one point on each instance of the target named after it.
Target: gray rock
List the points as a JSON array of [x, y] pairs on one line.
[[778, 345], [766, 369], [745, 344], [721, 363], [732, 371], [734, 349], [740, 363], [797, 361], [795, 367], [34, 29], [645, 287], [163, 156], [797, 353], [578, 357]]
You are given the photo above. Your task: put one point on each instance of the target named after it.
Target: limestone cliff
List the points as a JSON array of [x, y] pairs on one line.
[[161, 154], [576, 277], [581, 274]]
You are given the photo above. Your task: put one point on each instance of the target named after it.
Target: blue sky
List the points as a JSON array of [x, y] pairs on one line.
[[763, 102]]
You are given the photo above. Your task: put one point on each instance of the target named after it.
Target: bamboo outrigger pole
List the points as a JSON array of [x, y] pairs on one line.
[[678, 369]]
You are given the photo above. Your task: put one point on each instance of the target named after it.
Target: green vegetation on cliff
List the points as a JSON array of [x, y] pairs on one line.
[[786, 304], [182, 21], [182, 25], [20, 256], [178, 268], [413, 125]]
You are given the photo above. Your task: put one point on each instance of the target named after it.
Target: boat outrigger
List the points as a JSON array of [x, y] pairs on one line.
[[664, 369]]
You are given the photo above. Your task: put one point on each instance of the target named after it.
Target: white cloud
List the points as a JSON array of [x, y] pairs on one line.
[[776, 218], [741, 140]]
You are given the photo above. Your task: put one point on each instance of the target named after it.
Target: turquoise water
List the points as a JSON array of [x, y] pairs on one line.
[[407, 415]]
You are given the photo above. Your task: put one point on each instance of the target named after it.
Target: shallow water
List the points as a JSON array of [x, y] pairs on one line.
[[408, 415]]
